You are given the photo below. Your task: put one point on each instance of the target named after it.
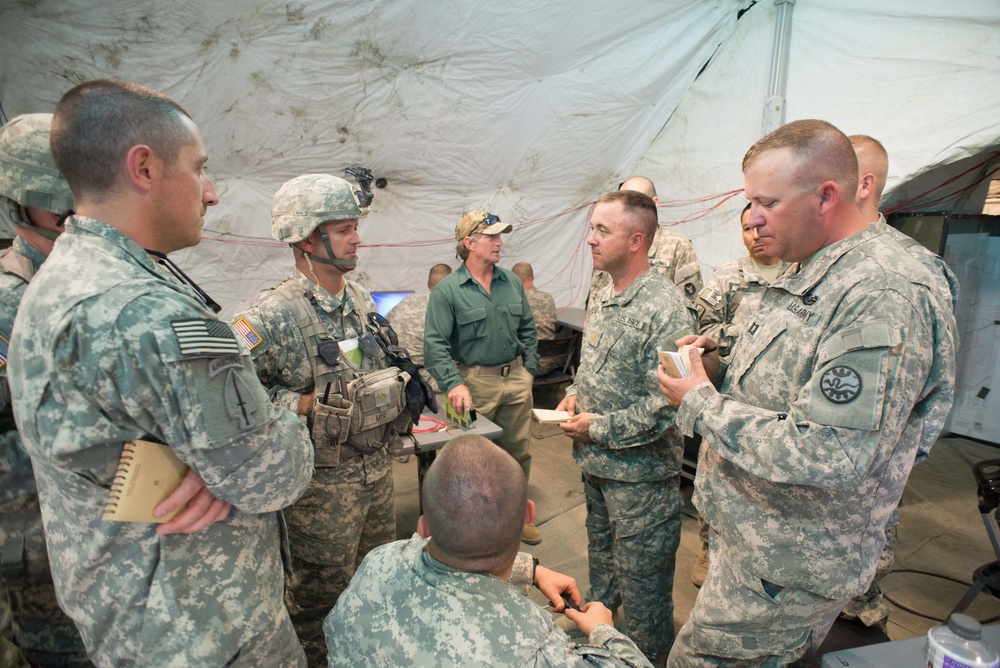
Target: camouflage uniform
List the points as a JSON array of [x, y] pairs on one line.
[[407, 320], [96, 361], [673, 256], [871, 607], [45, 635], [406, 608], [543, 307], [728, 300], [347, 509], [631, 466], [829, 394]]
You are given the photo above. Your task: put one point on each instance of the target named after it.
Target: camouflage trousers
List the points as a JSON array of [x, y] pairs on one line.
[[507, 402], [741, 620], [633, 531], [341, 517]]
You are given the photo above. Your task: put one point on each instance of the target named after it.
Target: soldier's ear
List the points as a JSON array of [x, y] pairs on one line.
[[422, 529]]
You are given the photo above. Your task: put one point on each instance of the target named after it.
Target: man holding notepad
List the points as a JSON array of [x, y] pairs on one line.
[[114, 343], [622, 428]]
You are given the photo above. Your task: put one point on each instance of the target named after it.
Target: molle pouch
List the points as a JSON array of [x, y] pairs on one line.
[[331, 423], [377, 398]]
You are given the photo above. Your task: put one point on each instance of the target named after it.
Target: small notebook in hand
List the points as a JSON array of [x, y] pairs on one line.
[[546, 416], [147, 474], [678, 364]]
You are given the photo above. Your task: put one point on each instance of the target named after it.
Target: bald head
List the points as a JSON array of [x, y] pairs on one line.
[[524, 271], [640, 184], [474, 499], [873, 169], [438, 272]]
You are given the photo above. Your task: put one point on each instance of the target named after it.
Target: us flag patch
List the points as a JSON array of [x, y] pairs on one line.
[[205, 338], [248, 333], [4, 346]]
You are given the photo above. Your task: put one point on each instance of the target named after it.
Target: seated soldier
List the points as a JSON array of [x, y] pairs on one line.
[[449, 598], [543, 306], [407, 317]]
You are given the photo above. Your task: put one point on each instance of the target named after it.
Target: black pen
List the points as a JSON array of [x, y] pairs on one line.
[[709, 349]]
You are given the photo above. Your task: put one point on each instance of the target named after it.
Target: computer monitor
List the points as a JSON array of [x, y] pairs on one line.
[[384, 301]]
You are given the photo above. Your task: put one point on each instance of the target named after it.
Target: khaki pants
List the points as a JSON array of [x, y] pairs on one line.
[[507, 402]]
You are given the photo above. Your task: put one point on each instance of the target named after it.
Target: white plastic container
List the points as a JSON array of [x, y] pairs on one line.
[[960, 644]]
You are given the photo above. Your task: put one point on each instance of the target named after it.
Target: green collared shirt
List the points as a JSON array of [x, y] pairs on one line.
[[466, 324]]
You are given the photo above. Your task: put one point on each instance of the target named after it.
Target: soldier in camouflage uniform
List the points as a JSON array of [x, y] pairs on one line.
[[407, 317], [671, 253], [873, 165], [347, 509], [543, 307], [724, 306], [34, 196], [109, 345], [451, 597], [844, 372], [623, 430]]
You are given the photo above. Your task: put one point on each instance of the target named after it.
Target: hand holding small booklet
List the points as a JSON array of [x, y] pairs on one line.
[[678, 364], [147, 474], [549, 417]]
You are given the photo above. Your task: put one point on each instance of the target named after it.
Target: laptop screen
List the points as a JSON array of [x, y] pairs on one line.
[[384, 301]]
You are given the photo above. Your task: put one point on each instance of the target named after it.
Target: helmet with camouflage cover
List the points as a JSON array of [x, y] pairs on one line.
[[28, 175], [301, 204]]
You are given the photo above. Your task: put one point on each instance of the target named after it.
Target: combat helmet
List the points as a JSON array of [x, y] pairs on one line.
[[28, 175]]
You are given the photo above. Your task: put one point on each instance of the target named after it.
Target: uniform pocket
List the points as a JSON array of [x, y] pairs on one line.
[[472, 323]]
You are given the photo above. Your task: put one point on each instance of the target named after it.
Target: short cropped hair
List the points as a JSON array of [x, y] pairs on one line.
[[640, 210], [523, 271], [872, 158], [822, 152], [474, 499], [98, 122], [437, 272], [743, 213], [639, 184]]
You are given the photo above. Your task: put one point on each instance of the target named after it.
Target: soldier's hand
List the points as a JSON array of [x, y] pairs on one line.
[[578, 427], [460, 399], [590, 616], [675, 388], [710, 358], [554, 585], [203, 508], [306, 403], [568, 404]]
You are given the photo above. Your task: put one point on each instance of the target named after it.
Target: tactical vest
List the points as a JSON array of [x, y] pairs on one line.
[[371, 399]]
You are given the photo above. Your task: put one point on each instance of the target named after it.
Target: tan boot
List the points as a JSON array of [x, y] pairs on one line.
[[530, 535], [700, 569]]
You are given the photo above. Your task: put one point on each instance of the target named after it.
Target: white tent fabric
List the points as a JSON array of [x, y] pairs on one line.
[[530, 110]]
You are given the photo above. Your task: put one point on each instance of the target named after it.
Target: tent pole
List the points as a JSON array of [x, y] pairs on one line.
[[774, 105]]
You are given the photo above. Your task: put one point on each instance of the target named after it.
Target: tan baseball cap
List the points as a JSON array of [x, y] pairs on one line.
[[480, 222]]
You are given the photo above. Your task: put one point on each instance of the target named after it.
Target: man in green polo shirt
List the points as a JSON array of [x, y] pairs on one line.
[[480, 342]]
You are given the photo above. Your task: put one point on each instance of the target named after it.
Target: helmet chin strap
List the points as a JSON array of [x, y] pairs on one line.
[[332, 260], [18, 215]]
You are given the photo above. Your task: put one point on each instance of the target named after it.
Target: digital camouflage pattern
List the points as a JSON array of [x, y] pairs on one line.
[[673, 256], [543, 307], [407, 320], [29, 612], [28, 175], [301, 204], [728, 300], [633, 529], [348, 509], [95, 362], [406, 608], [844, 372]]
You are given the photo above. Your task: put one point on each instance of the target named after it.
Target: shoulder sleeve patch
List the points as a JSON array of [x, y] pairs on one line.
[[202, 337], [249, 334], [4, 346]]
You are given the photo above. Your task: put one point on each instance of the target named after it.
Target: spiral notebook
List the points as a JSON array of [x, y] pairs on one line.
[[147, 474]]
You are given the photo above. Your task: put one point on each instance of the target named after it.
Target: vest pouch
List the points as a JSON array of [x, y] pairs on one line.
[[377, 398], [331, 423]]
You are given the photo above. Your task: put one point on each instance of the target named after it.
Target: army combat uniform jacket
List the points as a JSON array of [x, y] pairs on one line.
[[633, 434], [406, 608], [107, 347], [847, 366], [728, 300]]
